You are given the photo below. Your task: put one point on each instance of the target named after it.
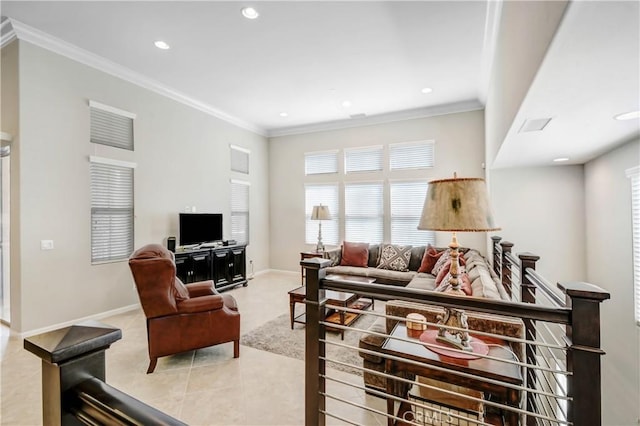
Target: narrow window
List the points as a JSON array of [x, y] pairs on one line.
[[407, 200], [367, 159], [364, 212], [239, 159], [111, 126], [411, 155], [323, 162], [111, 210], [240, 211]]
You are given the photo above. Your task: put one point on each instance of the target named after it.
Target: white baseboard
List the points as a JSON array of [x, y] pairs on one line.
[[75, 321]]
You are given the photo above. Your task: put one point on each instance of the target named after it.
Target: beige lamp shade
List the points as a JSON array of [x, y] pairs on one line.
[[459, 205], [320, 213]]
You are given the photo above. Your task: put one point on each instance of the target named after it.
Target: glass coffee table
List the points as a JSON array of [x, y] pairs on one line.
[[331, 297]]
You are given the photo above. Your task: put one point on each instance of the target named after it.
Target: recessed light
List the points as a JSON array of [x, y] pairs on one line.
[[628, 115], [250, 13], [560, 159], [284, 114], [162, 45], [427, 90], [346, 104]]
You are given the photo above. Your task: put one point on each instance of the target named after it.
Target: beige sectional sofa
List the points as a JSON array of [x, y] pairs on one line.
[[484, 281]]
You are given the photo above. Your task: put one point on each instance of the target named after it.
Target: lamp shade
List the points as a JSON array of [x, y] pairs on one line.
[[459, 205], [320, 213]]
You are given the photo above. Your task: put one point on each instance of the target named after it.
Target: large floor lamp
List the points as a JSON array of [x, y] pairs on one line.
[[320, 213], [456, 205]]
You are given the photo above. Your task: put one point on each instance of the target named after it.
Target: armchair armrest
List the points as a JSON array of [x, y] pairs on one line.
[[200, 304], [201, 288]]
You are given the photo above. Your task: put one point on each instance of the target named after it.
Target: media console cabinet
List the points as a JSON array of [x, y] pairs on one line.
[[225, 265]]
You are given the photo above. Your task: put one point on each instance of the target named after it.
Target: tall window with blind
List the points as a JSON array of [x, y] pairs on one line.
[[634, 175], [327, 195], [364, 212], [240, 211], [111, 210], [407, 199]]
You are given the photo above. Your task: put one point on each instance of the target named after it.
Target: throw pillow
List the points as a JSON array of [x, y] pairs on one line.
[[463, 279], [394, 257], [354, 254], [180, 292], [443, 271], [431, 256], [446, 255]]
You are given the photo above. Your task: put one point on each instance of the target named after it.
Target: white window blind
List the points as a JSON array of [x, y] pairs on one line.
[[364, 212], [316, 163], [367, 159], [326, 195], [111, 212], [634, 174], [239, 159], [411, 155], [407, 200], [240, 211], [111, 126]]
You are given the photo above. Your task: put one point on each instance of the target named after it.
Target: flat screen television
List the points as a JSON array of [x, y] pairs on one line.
[[198, 228]]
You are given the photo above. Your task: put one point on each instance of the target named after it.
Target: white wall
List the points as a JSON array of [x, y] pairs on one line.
[[459, 148], [610, 266], [541, 211], [526, 28], [182, 158]]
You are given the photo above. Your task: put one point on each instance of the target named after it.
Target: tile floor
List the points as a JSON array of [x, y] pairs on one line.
[[203, 387]]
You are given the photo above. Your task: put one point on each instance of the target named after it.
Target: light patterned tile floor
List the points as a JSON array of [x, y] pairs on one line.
[[203, 387]]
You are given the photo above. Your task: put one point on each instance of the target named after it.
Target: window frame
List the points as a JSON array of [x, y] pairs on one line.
[[115, 211], [325, 153], [634, 175]]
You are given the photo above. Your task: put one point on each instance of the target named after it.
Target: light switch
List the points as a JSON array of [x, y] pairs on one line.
[[46, 244]]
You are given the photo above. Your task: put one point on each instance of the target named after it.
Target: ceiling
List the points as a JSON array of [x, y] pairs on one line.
[[306, 58]]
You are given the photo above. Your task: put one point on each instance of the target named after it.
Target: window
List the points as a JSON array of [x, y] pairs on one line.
[[326, 195], [411, 155], [316, 163], [111, 126], [407, 200], [240, 211], [239, 159], [367, 159], [111, 210], [634, 174], [364, 212]]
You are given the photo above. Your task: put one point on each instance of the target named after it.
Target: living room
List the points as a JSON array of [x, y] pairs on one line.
[[182, 159]]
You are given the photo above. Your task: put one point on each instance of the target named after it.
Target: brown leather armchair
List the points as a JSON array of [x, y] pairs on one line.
[[180, 317]]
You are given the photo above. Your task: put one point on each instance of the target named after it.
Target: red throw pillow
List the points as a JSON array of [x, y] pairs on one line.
[[431, 256], [355, 254], [465, 284], [443, 272]]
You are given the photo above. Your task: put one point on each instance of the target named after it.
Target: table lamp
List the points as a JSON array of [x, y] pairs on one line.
[[320, 213], [456, 205]]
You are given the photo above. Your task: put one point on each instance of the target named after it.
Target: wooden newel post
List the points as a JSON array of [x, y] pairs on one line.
[[583, 357], [69, 356], [496, 255], [505, 273], [314, 384], [528, 295]]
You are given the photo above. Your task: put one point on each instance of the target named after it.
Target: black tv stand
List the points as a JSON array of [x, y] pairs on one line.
[[225, 265]]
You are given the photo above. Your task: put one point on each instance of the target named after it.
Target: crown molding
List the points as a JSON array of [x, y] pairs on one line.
[[452, 108], [46, 41], [7, 34]]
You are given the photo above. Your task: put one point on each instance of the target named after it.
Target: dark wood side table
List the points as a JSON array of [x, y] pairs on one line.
[[307, 255], [477, 369]]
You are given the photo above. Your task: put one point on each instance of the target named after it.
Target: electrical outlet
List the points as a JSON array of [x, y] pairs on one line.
[[46, 244]]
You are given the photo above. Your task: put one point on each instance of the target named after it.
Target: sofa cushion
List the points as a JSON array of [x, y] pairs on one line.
[[417, 253], [485, 286], [355, 254], [463, 279], [374, 255], [422, 281], [429, 259], [401, 278], [394, 257], [440, 262]]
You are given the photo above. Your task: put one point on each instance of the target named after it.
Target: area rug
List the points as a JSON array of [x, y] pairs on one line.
[[276, 336]]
